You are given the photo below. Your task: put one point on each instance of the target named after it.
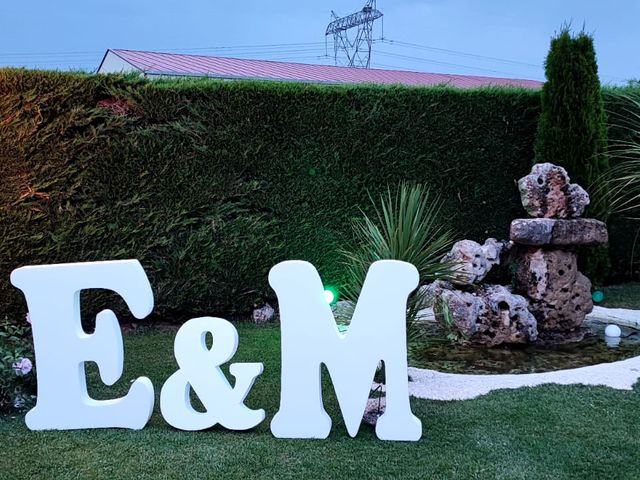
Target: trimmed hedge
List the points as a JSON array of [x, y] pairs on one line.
[[210, 183]]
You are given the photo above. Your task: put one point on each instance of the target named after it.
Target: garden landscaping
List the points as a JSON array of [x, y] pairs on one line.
[[547, 432], [209, 184]]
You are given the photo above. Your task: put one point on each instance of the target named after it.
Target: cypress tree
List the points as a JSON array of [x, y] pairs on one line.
[[572, 124]]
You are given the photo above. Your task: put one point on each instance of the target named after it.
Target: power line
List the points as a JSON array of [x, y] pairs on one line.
[[459, 53], [74, 60], [271, 52], [278, 55], [386, 65], [437, 62], [28, 54], [274, 51], [234, 47], [476, 56]]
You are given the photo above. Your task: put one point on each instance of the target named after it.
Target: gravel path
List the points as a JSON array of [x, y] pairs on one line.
[[434, 385], [622, 375]]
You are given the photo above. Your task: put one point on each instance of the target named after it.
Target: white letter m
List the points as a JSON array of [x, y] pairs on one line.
[[310, 337]]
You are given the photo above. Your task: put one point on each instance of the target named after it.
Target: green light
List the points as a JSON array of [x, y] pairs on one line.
[[330, 295], [598, 296]]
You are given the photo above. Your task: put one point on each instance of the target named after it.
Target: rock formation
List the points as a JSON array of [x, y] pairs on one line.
[[547, 193], [551, 297], [474, 260], [488, 314], [484, 314], [547, 266], [549, 231]]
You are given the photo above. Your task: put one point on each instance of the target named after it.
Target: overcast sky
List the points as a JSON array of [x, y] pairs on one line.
[[515, 33]]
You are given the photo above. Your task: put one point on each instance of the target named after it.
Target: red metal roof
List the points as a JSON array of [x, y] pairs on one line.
[[173, 64]]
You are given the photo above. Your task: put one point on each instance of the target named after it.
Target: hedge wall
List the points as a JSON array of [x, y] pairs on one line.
[[211, 183]]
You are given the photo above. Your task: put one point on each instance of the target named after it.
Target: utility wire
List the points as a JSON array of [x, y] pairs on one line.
[[235, 47], [459, 53], [437, 62], [274, 51]]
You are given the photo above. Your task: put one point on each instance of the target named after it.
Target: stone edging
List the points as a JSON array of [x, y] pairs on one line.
[[622, 375], [432, 385]]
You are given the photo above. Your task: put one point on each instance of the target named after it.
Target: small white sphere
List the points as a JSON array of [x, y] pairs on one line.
[[612, 331]]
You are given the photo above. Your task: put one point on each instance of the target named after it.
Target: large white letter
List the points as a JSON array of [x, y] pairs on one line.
[[310, 337], [62, 347]]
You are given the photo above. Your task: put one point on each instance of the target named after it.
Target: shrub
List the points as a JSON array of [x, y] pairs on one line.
[[407, 226], [571, 128], [620, 185], [572, 124], [17, 375], [210, 183], [619, 188]]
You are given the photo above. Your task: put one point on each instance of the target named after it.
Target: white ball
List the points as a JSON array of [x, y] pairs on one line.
[[612, 331]]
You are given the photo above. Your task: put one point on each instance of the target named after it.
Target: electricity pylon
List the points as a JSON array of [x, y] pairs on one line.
[[358, 50]]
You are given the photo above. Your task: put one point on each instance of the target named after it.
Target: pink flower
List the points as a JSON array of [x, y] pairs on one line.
[[22, 366]]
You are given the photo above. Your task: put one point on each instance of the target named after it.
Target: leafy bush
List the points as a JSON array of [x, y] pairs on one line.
[[407, 226], [17, 375]]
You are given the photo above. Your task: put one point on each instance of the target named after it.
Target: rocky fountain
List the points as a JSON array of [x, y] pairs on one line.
[[549, 298]]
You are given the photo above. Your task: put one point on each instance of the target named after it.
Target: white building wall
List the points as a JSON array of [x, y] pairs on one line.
[[112, 63]]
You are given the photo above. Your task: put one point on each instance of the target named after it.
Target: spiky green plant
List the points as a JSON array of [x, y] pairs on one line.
[[617, 193], [618, 190], [441, 307], [406, 225], [622, 187]]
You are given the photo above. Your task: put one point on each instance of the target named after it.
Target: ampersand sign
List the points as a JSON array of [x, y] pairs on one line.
[[200, 370]]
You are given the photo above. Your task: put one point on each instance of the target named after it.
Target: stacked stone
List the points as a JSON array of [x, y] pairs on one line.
[[484, 314], [551, 297], [547, 274]]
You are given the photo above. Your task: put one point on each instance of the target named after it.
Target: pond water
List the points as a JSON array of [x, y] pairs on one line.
[[440, 354]]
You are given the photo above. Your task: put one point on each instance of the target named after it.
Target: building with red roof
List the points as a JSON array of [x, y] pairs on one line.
[[154, 65]]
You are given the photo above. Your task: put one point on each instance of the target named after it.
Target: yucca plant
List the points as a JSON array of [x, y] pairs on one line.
[[619, 188], [406, 225], [617, 191], [623, 187]]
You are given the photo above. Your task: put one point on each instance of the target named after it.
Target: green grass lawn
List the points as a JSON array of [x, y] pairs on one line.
[[625, 295], [551, 432]]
